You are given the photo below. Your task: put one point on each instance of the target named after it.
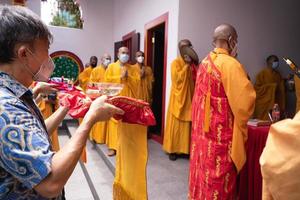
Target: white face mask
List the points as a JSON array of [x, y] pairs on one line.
[[106, 62], [45, 70], [140, 59], [124, 58]]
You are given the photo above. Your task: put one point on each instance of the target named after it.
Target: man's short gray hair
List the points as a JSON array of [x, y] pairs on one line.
[[19, 25]]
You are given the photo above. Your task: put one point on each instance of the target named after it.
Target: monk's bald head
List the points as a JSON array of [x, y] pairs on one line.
[[123, 50], [106, 56], [184, 42], [224, 32]]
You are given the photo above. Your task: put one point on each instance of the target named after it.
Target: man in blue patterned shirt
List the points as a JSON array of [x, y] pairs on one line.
[[29, 169]]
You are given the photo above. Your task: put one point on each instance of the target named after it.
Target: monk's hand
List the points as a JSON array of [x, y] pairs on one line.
[[187, 59], [143, 72], [102, 111], [124, 74]]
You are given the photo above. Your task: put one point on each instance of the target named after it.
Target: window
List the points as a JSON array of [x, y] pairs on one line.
[[66, 13]]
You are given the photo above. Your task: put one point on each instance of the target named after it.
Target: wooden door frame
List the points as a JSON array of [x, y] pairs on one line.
[[148, 41]]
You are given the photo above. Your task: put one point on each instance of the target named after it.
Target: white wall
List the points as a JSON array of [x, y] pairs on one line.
[[132, 15], [264, 27], [5, 2], [96, 36]]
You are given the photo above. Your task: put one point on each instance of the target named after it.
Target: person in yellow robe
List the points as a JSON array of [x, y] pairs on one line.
[[132, 153], [223, 102], [47, 108], [98, 132], [269, 87], [178, 126], [280, 161], [84, 76], [147, 79]]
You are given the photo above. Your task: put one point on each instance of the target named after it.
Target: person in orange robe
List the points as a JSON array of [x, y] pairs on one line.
[[280, 161], [178, 126], [98, 132], [132, 151], [222, 104], [84, 79], [84, 76], [269, 87], [147, 79]]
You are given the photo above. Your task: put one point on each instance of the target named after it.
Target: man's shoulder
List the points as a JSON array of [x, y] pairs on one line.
[[10, 103]]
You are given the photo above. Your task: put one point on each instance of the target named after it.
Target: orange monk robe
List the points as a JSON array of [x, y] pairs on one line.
[[241, 97], [178, 126], [46, 110], [297, 90], [132, 153], [280, 161], [98, 132], [146, 83], [113, 75], [269, 87], [84, 77]]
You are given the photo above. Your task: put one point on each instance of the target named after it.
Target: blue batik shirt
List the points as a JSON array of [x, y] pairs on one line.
[[25, 150]]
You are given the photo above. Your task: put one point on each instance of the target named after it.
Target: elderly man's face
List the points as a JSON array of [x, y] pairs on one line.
[[34, 57]]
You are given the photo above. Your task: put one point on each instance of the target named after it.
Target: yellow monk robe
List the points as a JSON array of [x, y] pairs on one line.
[[146, 83], [46, 110], [84, 77], [98, 132], [280, 161], [269, 87], [112, 75], [241, 98], [178, 126], [132, 153], [297, 90]]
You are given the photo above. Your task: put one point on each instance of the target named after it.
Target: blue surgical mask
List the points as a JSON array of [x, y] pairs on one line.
[[124, 58], [106, 62], [275, 64]]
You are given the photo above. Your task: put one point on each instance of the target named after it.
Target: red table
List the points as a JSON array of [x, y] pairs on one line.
[[250, 185]]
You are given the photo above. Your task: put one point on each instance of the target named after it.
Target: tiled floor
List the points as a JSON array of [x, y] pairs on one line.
[[166, 180]]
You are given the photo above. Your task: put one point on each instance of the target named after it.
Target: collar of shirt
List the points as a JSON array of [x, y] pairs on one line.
[[221, 51], [13, 85]]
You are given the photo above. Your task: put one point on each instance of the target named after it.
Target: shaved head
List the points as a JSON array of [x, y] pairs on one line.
[[224, 32], [184, 42], [123, 50], [106, 56]]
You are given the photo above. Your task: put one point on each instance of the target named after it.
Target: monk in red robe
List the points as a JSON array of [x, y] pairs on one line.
[[222, 104]]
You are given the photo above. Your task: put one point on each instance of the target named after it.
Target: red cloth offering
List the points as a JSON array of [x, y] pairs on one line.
[[78, 103], [136, 111], [63, 86]]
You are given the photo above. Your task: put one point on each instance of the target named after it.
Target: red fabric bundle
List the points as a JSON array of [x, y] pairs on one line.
[[63, 86], [78, 103], [136, 111]]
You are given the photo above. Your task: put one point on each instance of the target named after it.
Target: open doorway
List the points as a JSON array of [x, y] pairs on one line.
[[156, 39]]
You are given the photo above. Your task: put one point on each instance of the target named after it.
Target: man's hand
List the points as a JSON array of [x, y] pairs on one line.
[[44, 88], [101, 111]]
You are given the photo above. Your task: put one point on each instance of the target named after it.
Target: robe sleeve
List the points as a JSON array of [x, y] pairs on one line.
[[110, 77], [241, 97]]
